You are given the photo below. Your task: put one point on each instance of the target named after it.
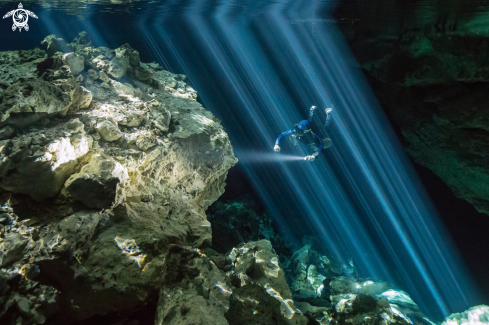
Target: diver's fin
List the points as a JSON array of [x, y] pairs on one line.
[[327, 143]]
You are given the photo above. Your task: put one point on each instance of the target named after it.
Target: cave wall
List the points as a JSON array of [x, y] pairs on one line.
[[427, 63]]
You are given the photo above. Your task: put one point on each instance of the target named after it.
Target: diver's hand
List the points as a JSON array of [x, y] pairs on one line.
[[312, 108], [276, 148], [310, 158], [328, 110]]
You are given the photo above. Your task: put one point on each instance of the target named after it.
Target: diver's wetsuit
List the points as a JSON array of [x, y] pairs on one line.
[[302, 132], [308, 138]]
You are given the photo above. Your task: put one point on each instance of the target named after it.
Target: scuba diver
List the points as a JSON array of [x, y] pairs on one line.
[[302, 132]]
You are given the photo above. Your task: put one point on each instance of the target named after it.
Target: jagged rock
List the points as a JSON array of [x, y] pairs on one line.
[[199, 292], [100, 63], [128, 53], [143, 73], [365, 310], [81, 41], [311, 274], [26, 103], [50, 45], [110, 222], [299, 262], [252, 304], [92, 74], [109, 130], [6, 132], [5, 219], [30, 271], [118, 67], [80, 97], [160, 114], [257, 268], [342, 285], [30, 304], [322, 315], [12, 248], [96, 184], [477, 315], [17, 65], [38, 165], [172, 83], [400, 301]]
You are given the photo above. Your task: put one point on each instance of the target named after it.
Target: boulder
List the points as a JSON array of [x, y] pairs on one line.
[[41, 173], [50, 45], [257, 268], [118, 67], [477, 315], [28, 102], [12, 248], [96, 184], [75, 62], [109, 130], [80, 98], [6, 132]]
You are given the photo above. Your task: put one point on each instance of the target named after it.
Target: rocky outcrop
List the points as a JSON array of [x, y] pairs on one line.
[[476, 315], [108, 166], [328, 292], [253, 290], [430, 72]]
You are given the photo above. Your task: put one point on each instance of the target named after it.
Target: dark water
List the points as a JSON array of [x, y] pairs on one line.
[[135, 22]]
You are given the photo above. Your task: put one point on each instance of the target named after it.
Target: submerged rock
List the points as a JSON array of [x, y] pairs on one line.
[[26, 103], [99, 179], [477, 315], [97, 182], [75, 62], [260, 280]]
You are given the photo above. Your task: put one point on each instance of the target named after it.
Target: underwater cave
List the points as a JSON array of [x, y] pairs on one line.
[[269, 162]]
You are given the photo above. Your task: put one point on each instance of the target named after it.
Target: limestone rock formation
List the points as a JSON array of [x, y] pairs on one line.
[[477, 315], [96, 183], [330, 293], [104, 167], [262, 295], [253, 290]]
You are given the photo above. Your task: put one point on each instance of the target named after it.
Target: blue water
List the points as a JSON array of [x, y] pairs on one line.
[[259, 66]]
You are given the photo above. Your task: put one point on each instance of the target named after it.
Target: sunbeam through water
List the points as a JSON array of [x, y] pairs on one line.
[[361, 197]]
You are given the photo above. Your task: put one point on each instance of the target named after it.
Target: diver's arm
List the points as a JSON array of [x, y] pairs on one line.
[[311, 113], [277, 142]]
